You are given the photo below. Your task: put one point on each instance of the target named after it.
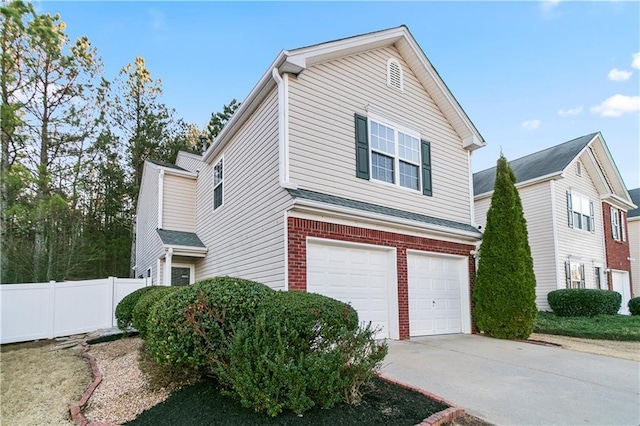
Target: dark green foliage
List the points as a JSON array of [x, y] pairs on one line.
[[504, 290], [605, 327], [193, 325], [220, 119], [124, 310], [634, 306], [581, 302], [302, 350], [142, 308]]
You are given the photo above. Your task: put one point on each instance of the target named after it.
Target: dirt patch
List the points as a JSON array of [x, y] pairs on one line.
[[38, 384], [614, 348], [468, 420]]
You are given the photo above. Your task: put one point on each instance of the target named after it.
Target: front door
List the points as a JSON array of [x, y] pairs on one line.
[[180, 276]]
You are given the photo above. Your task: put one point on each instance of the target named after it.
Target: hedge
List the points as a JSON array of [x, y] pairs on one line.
[[634, 306], [584, 302], [142, 309], [124, 310]]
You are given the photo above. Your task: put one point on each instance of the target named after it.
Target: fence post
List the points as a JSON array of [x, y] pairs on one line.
[[112, 281], [52, 310]]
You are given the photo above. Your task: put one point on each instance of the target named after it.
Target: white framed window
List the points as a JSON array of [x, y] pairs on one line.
[[394, 74], [218, 182], [574, 274], [597, 275], [580, 212], [395, 155], [618, 231]]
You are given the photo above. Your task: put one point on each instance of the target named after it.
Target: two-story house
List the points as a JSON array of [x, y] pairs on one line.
[[345, 172], [633, 217], [575, 204]]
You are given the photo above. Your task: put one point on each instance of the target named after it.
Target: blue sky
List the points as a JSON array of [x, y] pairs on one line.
[[529, 74]]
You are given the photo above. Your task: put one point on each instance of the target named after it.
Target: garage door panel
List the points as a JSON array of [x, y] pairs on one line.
[[353, 274]]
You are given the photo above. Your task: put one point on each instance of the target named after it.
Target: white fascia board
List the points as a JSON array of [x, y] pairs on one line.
[[379, 218], [248, 106], [186, 250], [554, 175], [190, 155], [176, 172], [617, 202]]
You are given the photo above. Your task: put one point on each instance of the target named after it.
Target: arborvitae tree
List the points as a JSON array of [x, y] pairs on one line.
[[504, 291]]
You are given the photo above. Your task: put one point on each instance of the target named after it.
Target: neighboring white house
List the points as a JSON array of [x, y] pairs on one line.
[[575, 205], [633, 216], [345, 172]]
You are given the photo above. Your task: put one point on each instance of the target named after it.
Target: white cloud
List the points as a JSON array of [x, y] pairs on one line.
[[157, 19], [531, 124], [570, 112], [636, 61], [617, 105], [549, 5], [619, 75]]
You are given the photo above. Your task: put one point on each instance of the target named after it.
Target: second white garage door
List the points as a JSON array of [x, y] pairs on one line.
[[359, 274], [438, 294]]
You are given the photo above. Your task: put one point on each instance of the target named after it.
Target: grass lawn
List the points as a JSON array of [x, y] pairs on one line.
[[203, 404], [606, 327]]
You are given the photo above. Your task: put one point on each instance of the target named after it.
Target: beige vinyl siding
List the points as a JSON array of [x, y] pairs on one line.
[[586, 247], [245, 236], [148, 244], [538, 212], [323, 100], [189, 162], [179, 200], [634, 247]]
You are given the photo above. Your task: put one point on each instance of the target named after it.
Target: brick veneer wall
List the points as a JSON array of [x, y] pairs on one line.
[[300, 229], [617, 251]]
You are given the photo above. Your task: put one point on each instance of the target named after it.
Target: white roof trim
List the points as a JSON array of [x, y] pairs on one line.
[[172, 171], [525, 183]]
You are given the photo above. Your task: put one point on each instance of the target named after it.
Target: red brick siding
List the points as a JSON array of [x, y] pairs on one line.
[[300, 229], [617, 251]]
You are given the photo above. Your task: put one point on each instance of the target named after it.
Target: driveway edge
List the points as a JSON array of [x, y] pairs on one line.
[[436, 419]]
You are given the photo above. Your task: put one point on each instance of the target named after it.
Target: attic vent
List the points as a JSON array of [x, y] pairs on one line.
[[579, 168], [394, 74]]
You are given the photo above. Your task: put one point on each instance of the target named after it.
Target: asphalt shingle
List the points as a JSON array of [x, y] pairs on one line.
[[635, 197], [180, 238]]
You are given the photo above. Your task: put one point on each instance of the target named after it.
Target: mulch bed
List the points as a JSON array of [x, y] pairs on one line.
[[203, 404]]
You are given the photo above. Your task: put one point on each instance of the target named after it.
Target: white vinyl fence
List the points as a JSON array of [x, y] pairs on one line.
[[54, 309]]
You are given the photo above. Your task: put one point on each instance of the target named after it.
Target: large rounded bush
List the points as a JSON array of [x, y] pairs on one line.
[[142, 309], [193, 326], [584, 302], [634, 306], [302, 350], [124, 310]]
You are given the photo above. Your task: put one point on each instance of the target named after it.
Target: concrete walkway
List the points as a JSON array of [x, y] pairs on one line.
[[513, 383]]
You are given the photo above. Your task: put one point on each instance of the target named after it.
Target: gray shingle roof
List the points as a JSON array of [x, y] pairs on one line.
[[374, 208], [167, 165], [180, 238], [635, 196], [541, 163]]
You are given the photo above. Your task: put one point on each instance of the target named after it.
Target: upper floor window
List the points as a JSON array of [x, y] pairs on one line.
[[618, 231], [578, 168], [394, 155], [394, 74], [574, 274], [580, 212], [218, 180]]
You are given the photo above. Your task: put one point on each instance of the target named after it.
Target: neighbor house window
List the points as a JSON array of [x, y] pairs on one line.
[[618, 231], [394, 74], [597, 273], [580, 212], [574, 273], [218, 178]]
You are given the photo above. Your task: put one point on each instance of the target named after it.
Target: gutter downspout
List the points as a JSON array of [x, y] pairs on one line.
[[160, 197], [283, 128]]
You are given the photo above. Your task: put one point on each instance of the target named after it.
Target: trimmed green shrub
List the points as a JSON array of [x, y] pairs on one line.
[[581, 302], [193, 326], [124, 310], [302, 350], [504, 291], [142, 309], [634, 306]]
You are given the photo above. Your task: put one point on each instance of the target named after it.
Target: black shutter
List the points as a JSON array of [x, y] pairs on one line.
[[426, 168], [592, 218], [362, 147], [567, 273], [569, 210]]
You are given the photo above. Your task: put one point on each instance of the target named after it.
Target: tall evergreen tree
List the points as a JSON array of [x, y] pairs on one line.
[[504, 291]]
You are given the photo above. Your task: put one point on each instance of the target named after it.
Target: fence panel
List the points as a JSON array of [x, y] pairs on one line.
[[48, 310]]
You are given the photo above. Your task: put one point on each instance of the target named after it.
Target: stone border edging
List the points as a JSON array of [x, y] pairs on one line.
[[76, 416], [436, 419]]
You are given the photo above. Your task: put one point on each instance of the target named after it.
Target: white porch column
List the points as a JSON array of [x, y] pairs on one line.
[[167, 267]]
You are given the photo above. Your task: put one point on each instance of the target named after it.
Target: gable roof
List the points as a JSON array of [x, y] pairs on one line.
[[180, 238], [542, 163], [635, 196], [297, 60], [382, 210], [167, 165]]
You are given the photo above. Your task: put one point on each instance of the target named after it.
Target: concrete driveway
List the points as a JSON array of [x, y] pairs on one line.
[[513, 383]]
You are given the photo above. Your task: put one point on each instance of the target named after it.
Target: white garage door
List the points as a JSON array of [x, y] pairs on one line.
[[436, 296], [621, 285], [361, 275]]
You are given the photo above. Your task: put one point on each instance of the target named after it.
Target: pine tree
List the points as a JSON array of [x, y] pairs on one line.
[[504, 290]]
